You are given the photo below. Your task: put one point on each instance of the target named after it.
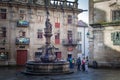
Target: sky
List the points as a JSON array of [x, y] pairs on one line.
[[83, 4]]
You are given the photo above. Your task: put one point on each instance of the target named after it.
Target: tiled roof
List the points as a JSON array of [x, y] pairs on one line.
[[82, 24]]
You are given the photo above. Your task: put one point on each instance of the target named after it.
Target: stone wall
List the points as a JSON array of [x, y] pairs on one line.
[[36, 17]]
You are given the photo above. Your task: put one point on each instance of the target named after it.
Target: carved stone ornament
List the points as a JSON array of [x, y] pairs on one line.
[[41, 2], [114, 4]]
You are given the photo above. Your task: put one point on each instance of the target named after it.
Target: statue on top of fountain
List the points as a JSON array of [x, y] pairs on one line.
[[48, 49], [48, 24]]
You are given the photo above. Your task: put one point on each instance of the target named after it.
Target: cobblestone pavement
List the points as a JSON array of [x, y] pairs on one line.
[[12, 73]]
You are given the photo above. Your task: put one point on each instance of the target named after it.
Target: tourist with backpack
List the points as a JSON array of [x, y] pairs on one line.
[[78, 64]]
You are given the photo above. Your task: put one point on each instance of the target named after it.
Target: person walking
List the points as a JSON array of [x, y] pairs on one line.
[[73, 63], [86, 64], [70, 63], [78, 64], [83, 64]]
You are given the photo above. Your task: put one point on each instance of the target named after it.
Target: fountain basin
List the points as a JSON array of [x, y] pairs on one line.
[[39, 68]]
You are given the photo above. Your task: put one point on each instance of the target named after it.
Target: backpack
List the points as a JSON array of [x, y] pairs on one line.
[[78, 61]]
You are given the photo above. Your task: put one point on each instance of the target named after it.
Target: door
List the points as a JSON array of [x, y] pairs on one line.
[[69, 56], [58, 55], [21, 57]]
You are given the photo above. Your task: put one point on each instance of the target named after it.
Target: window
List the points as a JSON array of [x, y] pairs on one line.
[[39, 34], [40, 18], [69, 19], [57, 21], [3, 32], [57, 38], [3, 13], [79, 47], [57, 25], [22, 14], [22, 33], [70, 37], [116, 15], [79, 36], [3, 55]]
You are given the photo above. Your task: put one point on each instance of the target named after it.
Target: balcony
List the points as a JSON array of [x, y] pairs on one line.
[[63, 3], [22, 41], [67, 42]]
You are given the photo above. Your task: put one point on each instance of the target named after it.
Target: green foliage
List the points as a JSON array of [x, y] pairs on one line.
[[113, 23]]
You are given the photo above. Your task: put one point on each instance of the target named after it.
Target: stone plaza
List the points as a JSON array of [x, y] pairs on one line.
[[13, 73]]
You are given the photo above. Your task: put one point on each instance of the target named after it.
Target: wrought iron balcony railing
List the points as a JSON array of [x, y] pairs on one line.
[[63, 3], [50, 3], [72, 42]]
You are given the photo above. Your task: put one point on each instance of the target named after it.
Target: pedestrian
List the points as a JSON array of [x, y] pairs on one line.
[[70, 63], [86, 64], [78, 64], [73, 63], [83, 64]]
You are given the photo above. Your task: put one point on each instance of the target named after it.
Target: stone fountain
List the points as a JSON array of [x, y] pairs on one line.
[[48, 65]]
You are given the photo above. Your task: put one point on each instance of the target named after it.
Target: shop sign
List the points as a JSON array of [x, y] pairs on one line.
[[70, 48]]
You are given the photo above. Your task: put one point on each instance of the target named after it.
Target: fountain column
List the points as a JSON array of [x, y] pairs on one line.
[[48, 54]]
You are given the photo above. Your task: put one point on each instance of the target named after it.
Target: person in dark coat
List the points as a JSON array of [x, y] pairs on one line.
[[79, 64]]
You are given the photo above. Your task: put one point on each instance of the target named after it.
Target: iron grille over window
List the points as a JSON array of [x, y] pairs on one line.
[[116, 15]]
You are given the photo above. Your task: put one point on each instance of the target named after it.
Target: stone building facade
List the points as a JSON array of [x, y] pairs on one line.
[[83, 44], [104, 33], [22, 24]]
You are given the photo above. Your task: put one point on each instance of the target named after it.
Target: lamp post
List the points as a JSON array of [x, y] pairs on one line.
[[84, 40]]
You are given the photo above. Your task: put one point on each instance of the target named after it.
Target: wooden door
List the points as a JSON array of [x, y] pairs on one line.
[[21, 57]]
